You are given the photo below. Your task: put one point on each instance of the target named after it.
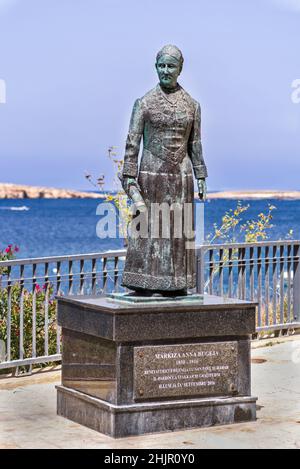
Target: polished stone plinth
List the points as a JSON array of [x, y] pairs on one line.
[[134, 368]]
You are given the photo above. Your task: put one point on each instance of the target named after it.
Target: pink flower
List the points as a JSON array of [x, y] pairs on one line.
[[37, 288], [10, 249]]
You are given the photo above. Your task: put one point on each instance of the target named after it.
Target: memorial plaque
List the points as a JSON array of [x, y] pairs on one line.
[[206, 369]]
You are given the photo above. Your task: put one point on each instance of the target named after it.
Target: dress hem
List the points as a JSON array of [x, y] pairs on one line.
[[150, 282]]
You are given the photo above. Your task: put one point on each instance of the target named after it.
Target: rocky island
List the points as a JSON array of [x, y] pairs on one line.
[[255, 194], [16, 191]]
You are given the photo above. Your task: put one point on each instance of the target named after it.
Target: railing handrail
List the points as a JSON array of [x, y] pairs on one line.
[[72, 257], [284, 242]]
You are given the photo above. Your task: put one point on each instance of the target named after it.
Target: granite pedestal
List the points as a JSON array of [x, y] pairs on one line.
[[130, 369]]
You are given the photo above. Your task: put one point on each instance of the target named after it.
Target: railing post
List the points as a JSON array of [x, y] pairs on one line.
[[211, 271], [221, 272], [230, 273], [34, 286], [200, 270], [9, 311], [296, 283], [94, 276], [46, 309]]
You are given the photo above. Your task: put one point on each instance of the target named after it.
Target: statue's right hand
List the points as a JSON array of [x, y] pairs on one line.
[[127, 182], [132, 189]]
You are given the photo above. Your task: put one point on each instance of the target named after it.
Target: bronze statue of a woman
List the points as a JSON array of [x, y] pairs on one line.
[[168, 119]]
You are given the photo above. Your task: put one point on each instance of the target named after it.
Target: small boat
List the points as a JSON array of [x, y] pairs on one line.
[[23, 208]]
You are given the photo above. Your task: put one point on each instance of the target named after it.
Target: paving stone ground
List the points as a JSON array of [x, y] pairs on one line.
[[28, 411]]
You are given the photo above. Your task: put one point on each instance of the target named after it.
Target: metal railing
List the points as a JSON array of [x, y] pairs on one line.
[[28, 330], [266, 272]]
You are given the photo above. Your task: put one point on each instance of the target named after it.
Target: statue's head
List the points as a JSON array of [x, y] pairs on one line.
[[169, 61]]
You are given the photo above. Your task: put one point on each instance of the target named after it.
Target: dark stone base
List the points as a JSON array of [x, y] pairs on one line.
[[137, 419], [135, 368]]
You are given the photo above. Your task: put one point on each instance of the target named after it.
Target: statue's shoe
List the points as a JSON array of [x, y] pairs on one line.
[[158, 294]]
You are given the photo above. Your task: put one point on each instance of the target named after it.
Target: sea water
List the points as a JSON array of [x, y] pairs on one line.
[[52, 227]]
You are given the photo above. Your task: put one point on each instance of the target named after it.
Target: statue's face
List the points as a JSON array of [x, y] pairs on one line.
[[168, 70]]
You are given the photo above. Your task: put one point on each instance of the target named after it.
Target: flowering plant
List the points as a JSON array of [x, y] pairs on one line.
[[117, 197], [7, 254]]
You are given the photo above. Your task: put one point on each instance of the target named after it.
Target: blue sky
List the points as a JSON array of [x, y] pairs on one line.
[[73, 69]]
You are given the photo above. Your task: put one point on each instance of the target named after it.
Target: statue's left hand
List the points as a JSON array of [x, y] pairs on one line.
[[202, 189]]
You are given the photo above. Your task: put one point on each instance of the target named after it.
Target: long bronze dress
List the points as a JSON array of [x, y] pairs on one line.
[[171, 150]]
